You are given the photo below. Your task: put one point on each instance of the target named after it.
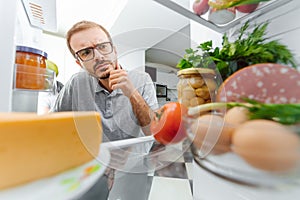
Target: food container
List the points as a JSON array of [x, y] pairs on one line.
[[257, 153], [30, 68], [34, 78], [31, 56], [196, 86]]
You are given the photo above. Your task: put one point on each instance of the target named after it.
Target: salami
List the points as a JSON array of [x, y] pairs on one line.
[[265, 82]]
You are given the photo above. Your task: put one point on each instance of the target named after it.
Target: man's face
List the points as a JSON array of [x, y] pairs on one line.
[[95, 42]]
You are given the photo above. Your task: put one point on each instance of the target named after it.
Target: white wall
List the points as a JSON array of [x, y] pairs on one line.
[[133, 60], [165, 78], [58, 52], [143, 14]]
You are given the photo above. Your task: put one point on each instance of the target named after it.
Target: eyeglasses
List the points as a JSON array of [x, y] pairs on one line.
[[89, 53]]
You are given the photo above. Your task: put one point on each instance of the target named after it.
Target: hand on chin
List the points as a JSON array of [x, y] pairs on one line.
[[103, 73]]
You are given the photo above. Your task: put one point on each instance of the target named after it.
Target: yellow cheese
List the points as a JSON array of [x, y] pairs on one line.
[[37, 146]]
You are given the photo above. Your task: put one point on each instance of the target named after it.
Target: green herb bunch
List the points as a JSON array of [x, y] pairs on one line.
[[248, 49]]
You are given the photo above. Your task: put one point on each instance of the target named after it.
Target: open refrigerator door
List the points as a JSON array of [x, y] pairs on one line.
[[24, 22]]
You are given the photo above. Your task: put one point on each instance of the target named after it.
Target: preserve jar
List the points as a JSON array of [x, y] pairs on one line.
[[30, 68], [196, 86]]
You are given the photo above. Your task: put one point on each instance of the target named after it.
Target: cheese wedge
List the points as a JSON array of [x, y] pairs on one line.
[[36, 146]]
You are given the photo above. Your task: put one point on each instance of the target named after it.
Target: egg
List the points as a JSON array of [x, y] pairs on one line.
[[266, 145], [210, 134], [236, 115]]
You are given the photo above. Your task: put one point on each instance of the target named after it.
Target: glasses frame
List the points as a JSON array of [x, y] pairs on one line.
[[94, 48]]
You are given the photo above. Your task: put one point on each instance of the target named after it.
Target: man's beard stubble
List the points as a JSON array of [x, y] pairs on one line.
[[105, 75]]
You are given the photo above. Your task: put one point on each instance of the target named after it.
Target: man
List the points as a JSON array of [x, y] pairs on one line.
[[125, 100]]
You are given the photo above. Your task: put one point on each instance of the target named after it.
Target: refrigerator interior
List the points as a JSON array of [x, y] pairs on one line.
[[283, 26]]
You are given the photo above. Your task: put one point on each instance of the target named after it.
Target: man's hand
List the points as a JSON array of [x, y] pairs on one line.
[[119, 79]]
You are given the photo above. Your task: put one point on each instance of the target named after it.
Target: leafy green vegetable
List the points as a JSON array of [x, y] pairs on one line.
[[248, 49], [183, 64], [283, 113]]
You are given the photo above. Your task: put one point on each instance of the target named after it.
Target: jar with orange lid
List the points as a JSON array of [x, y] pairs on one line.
[[196, 86], [30, 68]]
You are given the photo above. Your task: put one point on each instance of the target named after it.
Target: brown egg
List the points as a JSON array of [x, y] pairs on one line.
[[267, 145], [210, 133], [236, 116]]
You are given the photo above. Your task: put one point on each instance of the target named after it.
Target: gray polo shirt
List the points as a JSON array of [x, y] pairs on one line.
[[83, 93]]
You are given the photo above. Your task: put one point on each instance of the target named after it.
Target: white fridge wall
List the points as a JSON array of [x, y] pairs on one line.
[[25, 34]]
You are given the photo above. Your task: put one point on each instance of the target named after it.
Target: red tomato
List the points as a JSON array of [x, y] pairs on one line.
[[167, 124]]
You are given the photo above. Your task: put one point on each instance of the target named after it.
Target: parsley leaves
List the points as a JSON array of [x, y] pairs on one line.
[[249, 48]]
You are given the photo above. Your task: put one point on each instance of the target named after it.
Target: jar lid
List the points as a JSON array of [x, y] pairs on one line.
[[31, 50], [190, 71]]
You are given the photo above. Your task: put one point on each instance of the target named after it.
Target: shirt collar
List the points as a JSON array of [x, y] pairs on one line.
[[99, 88]]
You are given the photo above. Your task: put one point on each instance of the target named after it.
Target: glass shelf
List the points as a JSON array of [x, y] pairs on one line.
[[240, 17], [34, 79]]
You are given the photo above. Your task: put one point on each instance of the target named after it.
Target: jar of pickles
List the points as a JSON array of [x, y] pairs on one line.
[[196, 86], [30, 68]]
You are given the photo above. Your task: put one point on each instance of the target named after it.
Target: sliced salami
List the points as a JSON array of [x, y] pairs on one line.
[[266, 82]]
